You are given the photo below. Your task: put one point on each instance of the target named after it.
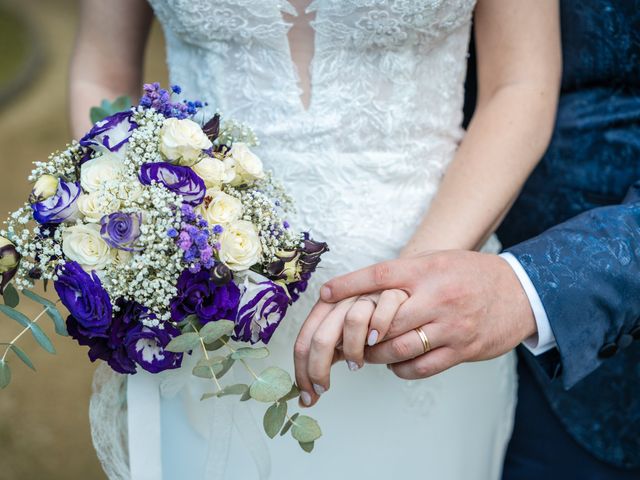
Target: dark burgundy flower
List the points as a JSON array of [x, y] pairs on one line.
[[176, 178], [198, 294]]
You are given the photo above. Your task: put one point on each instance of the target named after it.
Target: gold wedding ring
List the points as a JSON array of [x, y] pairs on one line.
[[426, 346]]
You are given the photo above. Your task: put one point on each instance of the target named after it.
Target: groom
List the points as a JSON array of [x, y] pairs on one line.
[[568, 286]]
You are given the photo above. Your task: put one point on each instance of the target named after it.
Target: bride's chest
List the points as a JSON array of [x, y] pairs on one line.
[[350, 23]]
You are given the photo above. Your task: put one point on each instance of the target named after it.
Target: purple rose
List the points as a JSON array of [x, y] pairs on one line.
[[111, 133], [176, 178], [121, 230], [146, 345], [59, 208], [262, 307], [85, 299], [198, 294]]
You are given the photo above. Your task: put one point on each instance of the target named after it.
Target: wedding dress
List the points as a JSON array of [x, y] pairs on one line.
[[362, 162]]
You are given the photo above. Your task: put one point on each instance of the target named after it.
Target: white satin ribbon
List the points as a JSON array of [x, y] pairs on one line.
[[213, 419]]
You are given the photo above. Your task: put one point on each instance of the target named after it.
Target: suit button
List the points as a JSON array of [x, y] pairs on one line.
[[608, 350], [625, 340], [635, 333]]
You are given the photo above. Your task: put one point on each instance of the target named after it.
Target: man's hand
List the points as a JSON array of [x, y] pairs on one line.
[[470, 305]]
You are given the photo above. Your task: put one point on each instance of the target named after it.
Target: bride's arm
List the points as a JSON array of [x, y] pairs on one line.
[[519, 70], [108, 55]]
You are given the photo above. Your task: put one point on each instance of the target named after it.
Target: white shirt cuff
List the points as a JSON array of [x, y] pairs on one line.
[[544, 340]]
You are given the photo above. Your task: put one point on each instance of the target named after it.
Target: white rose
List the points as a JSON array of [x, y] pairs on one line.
[[45, 187], [120, 257], [83, 244], [105, 168], [182, 141], [221, 208], [214, 172], [94, 206], [240, 246], [247, 164]]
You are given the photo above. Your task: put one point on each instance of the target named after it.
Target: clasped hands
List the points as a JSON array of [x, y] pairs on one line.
[[469, 305]]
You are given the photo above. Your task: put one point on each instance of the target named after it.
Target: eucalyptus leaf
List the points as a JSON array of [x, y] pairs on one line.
[[108, 108], [52, 311], [22, 356], [289, 424], [274, 418], [208, 367], [226, 366], [184, 343], [248, 352], [189, 321], [42, 338], [5, 374], [19, 317], [237, 389], [293, 393], [245, 396], [11, 296], [97, 114], [217, 345], [305, 429], [307, 447], [271, 385], [212, 331]]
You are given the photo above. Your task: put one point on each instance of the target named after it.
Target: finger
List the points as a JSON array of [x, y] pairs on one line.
[[356, 327], [382, 276], [416, 311], [409, 345], [301, 351], [323, 347], [427, 365], [388, 305]]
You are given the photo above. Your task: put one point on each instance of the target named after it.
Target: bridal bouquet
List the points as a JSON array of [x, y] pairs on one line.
[[162, 237]]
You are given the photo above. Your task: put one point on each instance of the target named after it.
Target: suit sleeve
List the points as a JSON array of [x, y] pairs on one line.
[[587, 274]]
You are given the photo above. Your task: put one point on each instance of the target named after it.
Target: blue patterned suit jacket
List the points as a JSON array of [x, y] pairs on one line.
[[576, 231]]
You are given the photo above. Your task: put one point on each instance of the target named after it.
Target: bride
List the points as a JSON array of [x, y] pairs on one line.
[[358, 105]]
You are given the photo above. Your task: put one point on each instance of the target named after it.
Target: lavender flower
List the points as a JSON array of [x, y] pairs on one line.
[[121, 230], [198, 294], [176, 178], [262, 307], [160, 100], [59, 208], [111, 133], [146, 346]]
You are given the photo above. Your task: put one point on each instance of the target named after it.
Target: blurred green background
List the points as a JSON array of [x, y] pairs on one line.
[[44, 427]]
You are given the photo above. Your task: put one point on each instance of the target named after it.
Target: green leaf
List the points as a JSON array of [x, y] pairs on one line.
[[271, 385], [248, 352], [52, 311], [226, 366], [11, 296], [19, 317], [246, 396], [307, 447], [108, 108], [184, 343], [207, 368], [122, 103], [42, 338], [306, 429], [212, 331], [293, 393], [22, 356], [289, 423], [5, 374], [237, 389], [274, 418], [97, 113], [45, 284]]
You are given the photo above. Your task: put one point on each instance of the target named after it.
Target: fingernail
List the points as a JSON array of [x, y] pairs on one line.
[[353, 366], [325, 293], [306, 398], [319, 389], [373, 338]]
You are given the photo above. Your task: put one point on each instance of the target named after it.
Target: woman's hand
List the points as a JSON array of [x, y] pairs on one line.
[[341, 331]]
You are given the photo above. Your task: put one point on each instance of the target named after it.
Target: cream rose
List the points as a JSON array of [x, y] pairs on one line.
[[222, 208], [240, 247], [83, 244], [214, 172], [94, 206], [105, 168], [248, 165], [45, 187], [182, 141]]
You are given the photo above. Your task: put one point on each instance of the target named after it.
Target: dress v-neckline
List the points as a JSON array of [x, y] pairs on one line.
[[305, 89]]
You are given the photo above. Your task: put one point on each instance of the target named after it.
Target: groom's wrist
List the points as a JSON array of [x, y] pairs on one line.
[[543, 340]]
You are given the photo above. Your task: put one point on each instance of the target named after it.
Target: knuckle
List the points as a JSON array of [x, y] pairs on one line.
[[401, 348], [321, 342], [300, 350], [423, 370], [354, 319]]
